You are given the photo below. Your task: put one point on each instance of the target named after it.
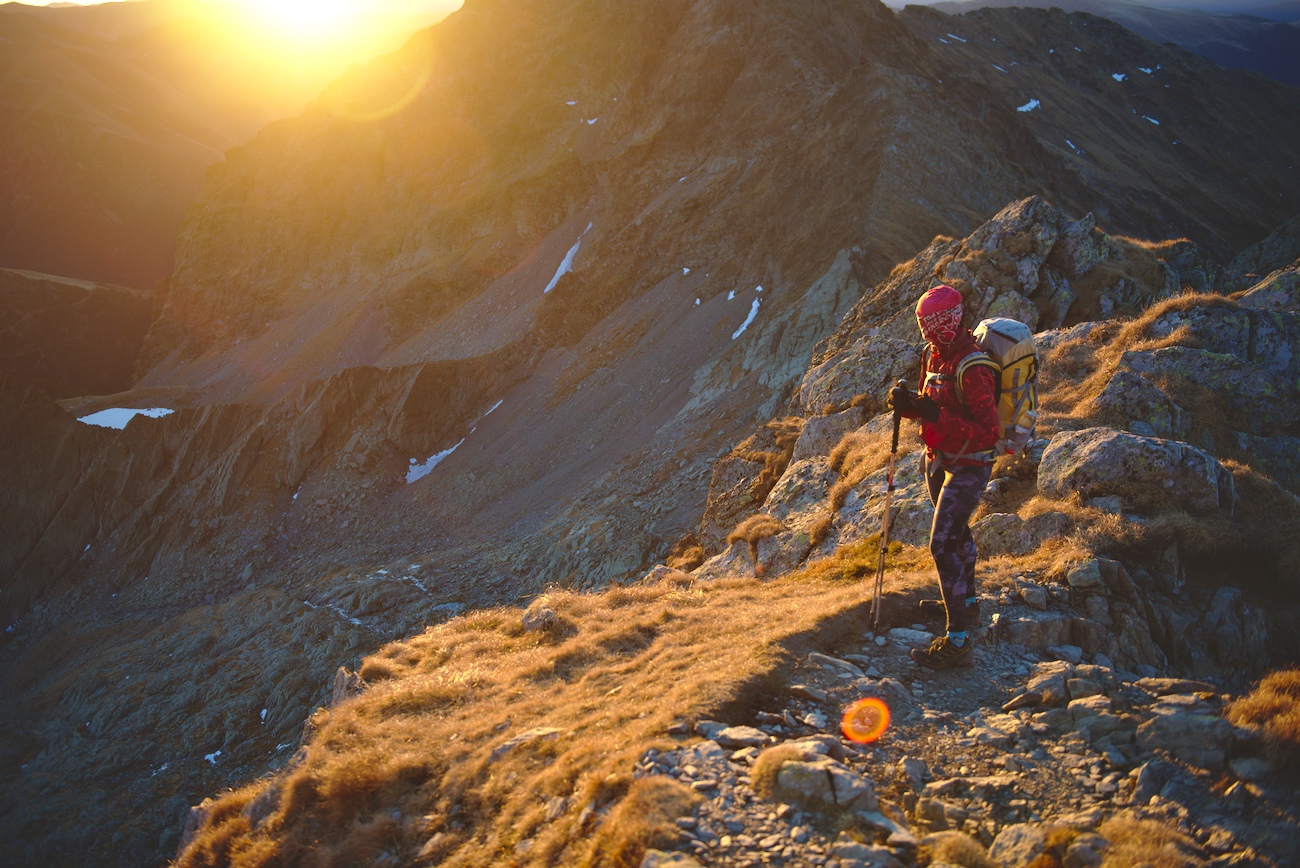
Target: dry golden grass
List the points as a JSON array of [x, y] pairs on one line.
[[1136, 842], [858, 560], [955, 848], [412, 756], [642, 820], [787, 433], [753, 530], [686, 554], [858, 455], [1274, 707], [768, 766]]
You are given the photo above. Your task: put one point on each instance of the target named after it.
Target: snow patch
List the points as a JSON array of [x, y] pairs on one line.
[[263, 715], [117, 417], [753, 312], [958, 38], [567, 265], [212, 757], [419, 471], [1144, 69], [572, 102], [1029, 106], [1119, 76], [1000, 69], [731, 295], [697, 302], [494, 406], [592, 121], [1153, 120], [685, 271]]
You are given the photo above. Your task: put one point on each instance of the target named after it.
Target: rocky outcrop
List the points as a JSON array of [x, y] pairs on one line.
[[1140, 470], [72, 336]]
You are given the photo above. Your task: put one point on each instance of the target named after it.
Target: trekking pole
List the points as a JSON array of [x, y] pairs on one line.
[[884, 528]]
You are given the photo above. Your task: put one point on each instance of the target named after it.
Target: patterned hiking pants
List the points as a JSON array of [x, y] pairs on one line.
[[955, 492]]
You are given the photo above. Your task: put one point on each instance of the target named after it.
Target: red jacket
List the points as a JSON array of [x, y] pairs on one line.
[[965, 427]]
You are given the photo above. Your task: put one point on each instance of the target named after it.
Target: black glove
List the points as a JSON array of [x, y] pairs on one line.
[[927, 408], [902, 399]]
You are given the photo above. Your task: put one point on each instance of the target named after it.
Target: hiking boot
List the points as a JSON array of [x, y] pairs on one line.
[[935, 611], [943, 653]]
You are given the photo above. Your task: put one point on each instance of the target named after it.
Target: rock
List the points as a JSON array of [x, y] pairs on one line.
[[1201, 740], [1089, 706], [1035, 596], [870, 366], [541, 733], [1038, 631], [1279, 457], [1085, 574], [836, 663], [1017, 846], [1071, 654], [1049, 683], [1097, 609], [733, 737], [1131, 398], [1251, 769], [661, 574], [660, 859], [347, 684], [827, 782], [1086, 851], [1236, 631], [1002, 534], [910, 638], [1279, 291], [899, 835], [1167, 686], [1079, 688], [1046, 525], [914, 769], [1261, 402], [821, 434], [1151, 779], [1141, 470], [1028, 699]]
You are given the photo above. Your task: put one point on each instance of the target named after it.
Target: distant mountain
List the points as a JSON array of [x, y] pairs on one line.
[[1252, 38], [111, 114]]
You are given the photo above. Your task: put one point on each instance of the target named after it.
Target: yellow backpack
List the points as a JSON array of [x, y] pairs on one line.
[[1008, 348]]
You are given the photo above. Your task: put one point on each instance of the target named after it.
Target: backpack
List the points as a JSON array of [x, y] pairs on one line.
[[1008, 348]]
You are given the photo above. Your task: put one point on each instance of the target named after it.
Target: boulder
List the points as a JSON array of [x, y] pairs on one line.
[[820, 434], [1235, 631], [1279, 291], [827, 782], [1130, 397], [1198, 739], [1262, 402], [1277, 457], [1001, 533], [1019, 845], [1141, 470], [870, 366]]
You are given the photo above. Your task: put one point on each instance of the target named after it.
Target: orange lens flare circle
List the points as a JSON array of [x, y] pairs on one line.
[[865, 720]]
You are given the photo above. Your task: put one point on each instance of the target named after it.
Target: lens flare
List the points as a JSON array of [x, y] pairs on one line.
[[865, 720]]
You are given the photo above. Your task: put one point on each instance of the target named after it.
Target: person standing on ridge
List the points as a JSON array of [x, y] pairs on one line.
[[959, 426]]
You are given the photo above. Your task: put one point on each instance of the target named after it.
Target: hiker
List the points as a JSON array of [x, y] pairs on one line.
[[959, 429]]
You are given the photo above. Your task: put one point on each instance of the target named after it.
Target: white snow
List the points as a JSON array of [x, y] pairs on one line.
[[1153, 120], [572, 102], [567, 265], [958, 38], [494, 406], [263, 715], [1000, 69], [731, 295], [117, 417], [1073, 146], [945, 42], [685, 271], [758, 288], [753, 312], [697, 302], [212, 757], [419, 471], [1029, 106], [1144, 69], [1119, 76], [592, 121]]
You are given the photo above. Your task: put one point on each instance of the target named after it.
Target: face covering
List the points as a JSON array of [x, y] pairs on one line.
[[938, 313]]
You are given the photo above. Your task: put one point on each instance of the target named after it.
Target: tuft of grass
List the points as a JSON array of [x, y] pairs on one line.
[[1274, 707], [644, 819], [686, 554], [754, 530], [787, 433], [1135, 842], [956, 848], [768, 765]]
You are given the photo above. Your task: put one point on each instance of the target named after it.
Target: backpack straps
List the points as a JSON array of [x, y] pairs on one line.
[[979, 357]]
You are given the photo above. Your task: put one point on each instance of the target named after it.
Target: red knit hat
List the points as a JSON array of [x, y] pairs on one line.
[[938, 313]]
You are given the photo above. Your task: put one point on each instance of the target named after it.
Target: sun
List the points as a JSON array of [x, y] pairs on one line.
[[309, 19]]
